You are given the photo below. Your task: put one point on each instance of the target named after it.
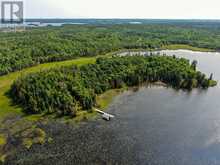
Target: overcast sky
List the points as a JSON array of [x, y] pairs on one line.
[[173, 9]]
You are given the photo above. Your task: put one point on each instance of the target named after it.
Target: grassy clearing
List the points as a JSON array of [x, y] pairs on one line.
[[187, 47], [6, 107]]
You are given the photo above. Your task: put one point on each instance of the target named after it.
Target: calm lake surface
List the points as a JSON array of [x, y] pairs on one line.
[[153, 126], [176, 127]]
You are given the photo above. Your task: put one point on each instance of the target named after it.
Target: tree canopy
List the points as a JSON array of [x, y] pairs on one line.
[[40, 45], [70, 89]]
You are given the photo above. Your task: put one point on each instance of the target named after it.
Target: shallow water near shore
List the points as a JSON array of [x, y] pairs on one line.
[[154, 125]]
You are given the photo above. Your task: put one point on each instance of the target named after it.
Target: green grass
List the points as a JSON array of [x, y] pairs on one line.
[[6, 107], [2, 140], [187, 47], [106, 98]]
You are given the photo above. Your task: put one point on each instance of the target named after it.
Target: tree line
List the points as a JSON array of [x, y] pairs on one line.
[[40, 45]]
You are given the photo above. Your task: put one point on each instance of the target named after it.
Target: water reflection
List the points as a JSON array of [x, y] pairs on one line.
[[178, 127]]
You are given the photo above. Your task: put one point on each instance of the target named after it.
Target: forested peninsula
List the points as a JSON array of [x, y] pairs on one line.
[[66, 90]]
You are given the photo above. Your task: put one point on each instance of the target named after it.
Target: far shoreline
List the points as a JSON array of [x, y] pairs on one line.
[[187, 47]]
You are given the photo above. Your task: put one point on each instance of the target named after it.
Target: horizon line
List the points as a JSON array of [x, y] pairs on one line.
[[130, 18]]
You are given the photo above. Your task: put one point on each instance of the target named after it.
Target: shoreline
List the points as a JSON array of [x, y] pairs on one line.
[[168, 47], [110, 94], [13, 114], [187, 47], [7, 80]]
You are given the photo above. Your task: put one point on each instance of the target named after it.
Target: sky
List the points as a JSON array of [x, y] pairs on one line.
[[163, 9]]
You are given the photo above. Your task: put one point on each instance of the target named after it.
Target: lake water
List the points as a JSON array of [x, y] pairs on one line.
[[176, 127], [153, 126]]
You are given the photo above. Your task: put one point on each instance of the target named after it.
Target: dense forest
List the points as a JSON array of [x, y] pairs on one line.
[[46, 44], [70, 89]]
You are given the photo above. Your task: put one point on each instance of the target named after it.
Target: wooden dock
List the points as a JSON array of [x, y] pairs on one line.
[[105, 115]]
